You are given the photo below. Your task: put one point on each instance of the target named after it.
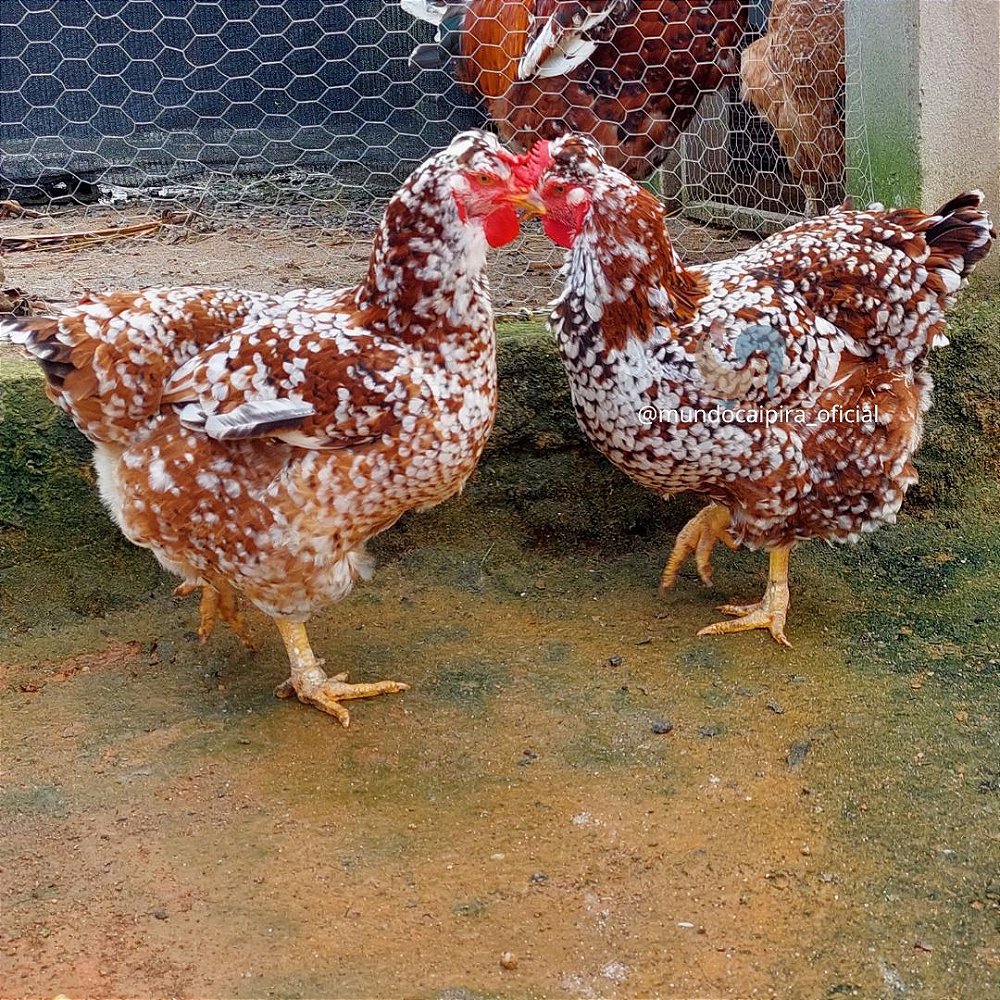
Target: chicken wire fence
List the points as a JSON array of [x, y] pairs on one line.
[[293, 113]]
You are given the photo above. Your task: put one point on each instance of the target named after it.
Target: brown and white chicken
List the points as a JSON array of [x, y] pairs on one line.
[[256, 442], [788, 383]]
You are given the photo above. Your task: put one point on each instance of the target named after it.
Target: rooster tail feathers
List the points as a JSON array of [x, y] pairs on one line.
[[431, 11], [563, 41], [967, 199], [959, 235], [447, 44], [38, 337]]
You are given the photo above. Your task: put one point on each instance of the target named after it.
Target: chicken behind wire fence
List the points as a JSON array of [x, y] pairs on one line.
[[304, 112]]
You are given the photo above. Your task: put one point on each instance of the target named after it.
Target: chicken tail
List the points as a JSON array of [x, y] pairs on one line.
[[959, 235], [106, 359], [36, 336]]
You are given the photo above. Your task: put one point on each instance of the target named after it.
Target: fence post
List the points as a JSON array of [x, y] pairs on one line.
[[923, 101]]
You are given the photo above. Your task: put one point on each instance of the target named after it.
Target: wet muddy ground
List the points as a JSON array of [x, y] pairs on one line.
[[577, 797], [573, 779]]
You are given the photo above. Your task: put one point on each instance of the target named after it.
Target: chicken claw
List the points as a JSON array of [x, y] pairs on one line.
[[218, 601], [700, 535], [769, 613], [313, 686]]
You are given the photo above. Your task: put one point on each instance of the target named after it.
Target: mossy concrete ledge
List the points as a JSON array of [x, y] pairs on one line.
[[539, 484], [539, 481]]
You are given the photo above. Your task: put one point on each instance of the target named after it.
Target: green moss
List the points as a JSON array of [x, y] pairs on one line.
[[540, 488], [929, 598], [469, 683], [960, 458]]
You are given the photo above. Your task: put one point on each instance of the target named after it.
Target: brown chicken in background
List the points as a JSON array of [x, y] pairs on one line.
[[629, 73], [794, 76]]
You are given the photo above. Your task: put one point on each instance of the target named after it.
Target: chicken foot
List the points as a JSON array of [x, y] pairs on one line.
[[700, 535], [312, 685], [768, 613], [218, 601]]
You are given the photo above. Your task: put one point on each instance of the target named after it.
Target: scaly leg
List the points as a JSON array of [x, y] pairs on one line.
[[699, 535], [218, 601], [311, 684], [770, 612]]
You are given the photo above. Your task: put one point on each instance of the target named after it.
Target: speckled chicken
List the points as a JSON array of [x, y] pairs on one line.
[[629, 73], [255, 442], [787, 383], [794, 76]]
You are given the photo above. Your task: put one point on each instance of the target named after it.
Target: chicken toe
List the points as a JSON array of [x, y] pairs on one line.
[[700, 536], [218, 601], [770, 613], [310, 683]]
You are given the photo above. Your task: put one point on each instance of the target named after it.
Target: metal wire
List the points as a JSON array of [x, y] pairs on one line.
[[305, 113]]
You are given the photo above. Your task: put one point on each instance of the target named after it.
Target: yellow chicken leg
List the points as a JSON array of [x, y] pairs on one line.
[[700, 535], [218, 601], [311, 684], [770, 612]]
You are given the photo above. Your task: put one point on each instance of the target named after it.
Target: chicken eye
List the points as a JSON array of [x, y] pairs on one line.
[[484, 178], [558, 189]]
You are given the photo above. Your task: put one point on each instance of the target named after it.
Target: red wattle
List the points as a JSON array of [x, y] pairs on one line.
[[558, 232], [502, 226]]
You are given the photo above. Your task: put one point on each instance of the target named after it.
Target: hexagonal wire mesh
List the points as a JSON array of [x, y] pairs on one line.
[[302, 113]]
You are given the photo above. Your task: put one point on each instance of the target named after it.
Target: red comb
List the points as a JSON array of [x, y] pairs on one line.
[[533, 164]]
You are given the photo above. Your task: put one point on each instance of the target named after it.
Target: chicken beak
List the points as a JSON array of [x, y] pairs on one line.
[[528, 201]]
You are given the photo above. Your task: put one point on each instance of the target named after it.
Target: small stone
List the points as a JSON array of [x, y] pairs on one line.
[[709, 731], [773, 706], [160, 913], [615, 661], [797, 753], [661, 726], [644, 642], [539, 878], [508, 961]]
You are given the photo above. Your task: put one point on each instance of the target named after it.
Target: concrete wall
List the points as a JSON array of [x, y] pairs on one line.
[[882, 41], [923, 101], [959, 110]]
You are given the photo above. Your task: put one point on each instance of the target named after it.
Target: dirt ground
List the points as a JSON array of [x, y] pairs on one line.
[[573, 778], [271, 255]]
